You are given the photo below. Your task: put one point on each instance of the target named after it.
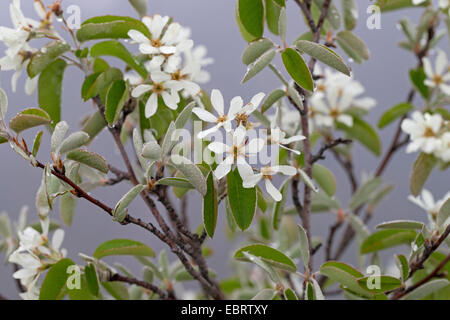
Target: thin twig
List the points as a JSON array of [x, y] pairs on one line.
[[163, 295], [330, 145], [433, 274]]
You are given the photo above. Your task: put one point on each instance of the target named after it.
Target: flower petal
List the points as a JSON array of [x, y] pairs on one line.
[[217, 101]]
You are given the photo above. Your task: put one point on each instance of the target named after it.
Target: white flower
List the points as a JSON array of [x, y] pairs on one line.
[[236, 112], [197, 57], [31, 239], [267, 174], [443, 151], [277, 136], [166, 43], [163, 86], [236, 153], [444, 4], [331, 107], [438, 77], [424, 132], [427, 203], [417, 2], [31, 267]]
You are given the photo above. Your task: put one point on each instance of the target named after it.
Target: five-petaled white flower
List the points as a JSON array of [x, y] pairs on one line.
[[267, 174], [424, 132], [166, 43], [426, 202], [438, 77], [443, 151], [278, 136], [163, 86], [236, 112], [236, 153]]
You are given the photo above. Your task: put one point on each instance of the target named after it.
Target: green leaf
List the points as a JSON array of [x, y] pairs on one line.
[[307, 180], [116, 49], [259, 65], [263, 265], [387, 283], [140, 6], [271, 99], [444, 213], [402, 265], [191, 172], [362, 232], [29, 118], [99, 84], [343, 273], [323, 54], [242, 201], [267, 254], [282, 24], [273, 10], [123, 247], [265, 295], [118, 290], [110, 27], [304, 246], [426, 289], [210, 206], [353, 46], [364, 133], [92, 279], [322, 202], [45, 56], [324, 178], [58, 135], [67, 206], [290, 294], [50, 89], [245, 34], [256, 49], [418, 78], [401, 224], [251, 15], [74, 141], [3, 104], [390, 5], [90, 159], [82, 294], [394, 113], [37, 143], [94, 125], [364, 193], [175, 182], [297, 68], [333, 16], [385, 239], [116, 98], [422, 168], [126, 200], [54, 285], [350, 12], [278, 208]]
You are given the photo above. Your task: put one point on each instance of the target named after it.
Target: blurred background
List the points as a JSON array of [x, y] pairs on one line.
[[385, 77]]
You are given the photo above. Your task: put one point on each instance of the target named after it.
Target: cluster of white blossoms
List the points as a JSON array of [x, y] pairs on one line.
[[429, 133], [16, 39], [239, 149], [35, 255], [174, 65], [335, 96], [426, 202]]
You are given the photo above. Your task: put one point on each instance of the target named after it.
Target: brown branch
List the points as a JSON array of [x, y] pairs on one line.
[[330, 145], [433, 274], [151, 287]]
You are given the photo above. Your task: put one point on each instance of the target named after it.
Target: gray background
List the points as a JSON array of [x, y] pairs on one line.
[[385, 78]]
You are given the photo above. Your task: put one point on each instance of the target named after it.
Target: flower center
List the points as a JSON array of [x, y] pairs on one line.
[[242, 118], [335, 113], [177, 76], [156, 43], [437, 79], [267, 173], [158, 88], [321, 87], [429, 133], [222, 119]]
